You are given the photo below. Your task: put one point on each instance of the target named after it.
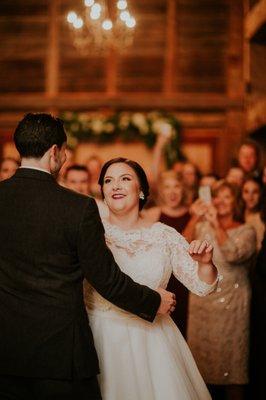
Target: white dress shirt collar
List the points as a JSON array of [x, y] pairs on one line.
[[36, 168]]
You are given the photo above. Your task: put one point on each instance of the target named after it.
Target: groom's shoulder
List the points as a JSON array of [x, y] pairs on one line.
[[73, 197]]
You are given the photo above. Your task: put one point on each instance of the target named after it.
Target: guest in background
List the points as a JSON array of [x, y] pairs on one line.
[[191, 178], [235, 175], [258, 322], [264, 175], [173, 212], [218, 328], [69, 161], [178, 166], [77, 178], [208, 180], [94, 165], [158, 152], [252, 198], [249, 158], [8, 167]]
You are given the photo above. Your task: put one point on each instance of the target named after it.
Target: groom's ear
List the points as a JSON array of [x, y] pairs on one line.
[[54, 151]]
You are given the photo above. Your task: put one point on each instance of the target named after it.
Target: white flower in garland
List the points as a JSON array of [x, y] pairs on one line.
[[140, 121], [83, 117], [97, 126], [109, 127], [125, 126], [124, 121]]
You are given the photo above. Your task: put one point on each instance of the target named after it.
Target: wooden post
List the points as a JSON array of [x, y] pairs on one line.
[[235, 126], [52, 60], [169, 70], [235, 78], [246, 49]]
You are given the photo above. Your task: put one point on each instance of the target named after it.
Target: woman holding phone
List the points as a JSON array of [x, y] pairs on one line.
[[218, 327]]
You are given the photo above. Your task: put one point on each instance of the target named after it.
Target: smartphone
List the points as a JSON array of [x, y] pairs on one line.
[[205, 194]]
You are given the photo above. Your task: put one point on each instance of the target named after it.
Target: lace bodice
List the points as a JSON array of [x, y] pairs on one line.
[[149, 256]]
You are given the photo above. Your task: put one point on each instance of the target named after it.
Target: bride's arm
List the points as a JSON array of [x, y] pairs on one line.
[[192, 265]]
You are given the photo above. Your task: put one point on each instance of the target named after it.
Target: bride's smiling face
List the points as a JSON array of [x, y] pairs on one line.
[[121, 188]]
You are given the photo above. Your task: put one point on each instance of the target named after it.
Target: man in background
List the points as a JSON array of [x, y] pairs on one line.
[[77, 178], [8, 167]]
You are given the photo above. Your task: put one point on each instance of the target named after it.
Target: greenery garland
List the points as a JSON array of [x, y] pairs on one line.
[[125, 126]]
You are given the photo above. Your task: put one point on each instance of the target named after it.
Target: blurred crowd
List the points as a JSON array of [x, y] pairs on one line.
[[224, 330]]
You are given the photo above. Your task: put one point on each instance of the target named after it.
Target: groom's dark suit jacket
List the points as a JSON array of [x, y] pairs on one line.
[[50, 238]]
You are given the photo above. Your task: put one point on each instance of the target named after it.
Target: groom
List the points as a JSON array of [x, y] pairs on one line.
[[50, 238]]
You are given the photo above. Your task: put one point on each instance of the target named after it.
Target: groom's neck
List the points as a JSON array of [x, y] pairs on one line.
[[35, 163]]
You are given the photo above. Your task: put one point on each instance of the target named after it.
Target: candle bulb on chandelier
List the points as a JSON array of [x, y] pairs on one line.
[[71, 17], [107, 24], [96, 7], [78, 23], [125, 16], [122, 4], [88, 3], [96, 30], [131, 22], [95, 11]]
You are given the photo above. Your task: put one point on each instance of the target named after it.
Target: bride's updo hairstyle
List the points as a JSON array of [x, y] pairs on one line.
[[139, 171]]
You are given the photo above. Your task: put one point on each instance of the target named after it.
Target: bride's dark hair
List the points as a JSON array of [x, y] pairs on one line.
[[143, 181]]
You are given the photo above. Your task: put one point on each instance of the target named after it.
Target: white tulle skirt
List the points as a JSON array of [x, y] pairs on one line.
[[144, 361]]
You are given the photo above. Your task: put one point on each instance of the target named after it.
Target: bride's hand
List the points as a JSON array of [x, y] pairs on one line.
[[168, 302], [201, 251]]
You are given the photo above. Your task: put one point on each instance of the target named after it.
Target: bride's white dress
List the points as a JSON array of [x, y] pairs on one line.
[[140, 360]]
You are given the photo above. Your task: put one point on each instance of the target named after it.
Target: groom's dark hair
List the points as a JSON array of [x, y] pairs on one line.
[[36, 133]]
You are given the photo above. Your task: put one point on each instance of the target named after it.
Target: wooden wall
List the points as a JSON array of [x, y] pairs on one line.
[[187, 57]]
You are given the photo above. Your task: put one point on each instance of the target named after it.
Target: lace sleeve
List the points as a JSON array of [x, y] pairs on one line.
[[240, 247], [185, 269]]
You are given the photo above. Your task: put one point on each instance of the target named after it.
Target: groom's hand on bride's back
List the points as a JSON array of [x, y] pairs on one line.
[[168, 302]]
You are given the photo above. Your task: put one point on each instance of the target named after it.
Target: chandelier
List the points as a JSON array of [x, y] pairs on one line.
[[102, 25]]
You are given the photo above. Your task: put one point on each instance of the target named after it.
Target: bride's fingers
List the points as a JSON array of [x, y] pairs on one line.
[[194, 246], [209, 248], [203, 246]]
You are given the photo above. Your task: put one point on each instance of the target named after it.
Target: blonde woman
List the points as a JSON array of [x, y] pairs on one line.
[[173, 211]]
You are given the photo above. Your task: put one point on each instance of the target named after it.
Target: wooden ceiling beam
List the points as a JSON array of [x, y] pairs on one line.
[[88, 101]]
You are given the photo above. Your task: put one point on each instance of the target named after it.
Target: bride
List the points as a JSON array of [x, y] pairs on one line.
[[141, 360]]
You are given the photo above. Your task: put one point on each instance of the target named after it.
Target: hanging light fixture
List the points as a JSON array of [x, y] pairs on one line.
[[99, 28]]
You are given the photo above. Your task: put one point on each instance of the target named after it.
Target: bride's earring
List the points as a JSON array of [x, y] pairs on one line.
[[141, 195]]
